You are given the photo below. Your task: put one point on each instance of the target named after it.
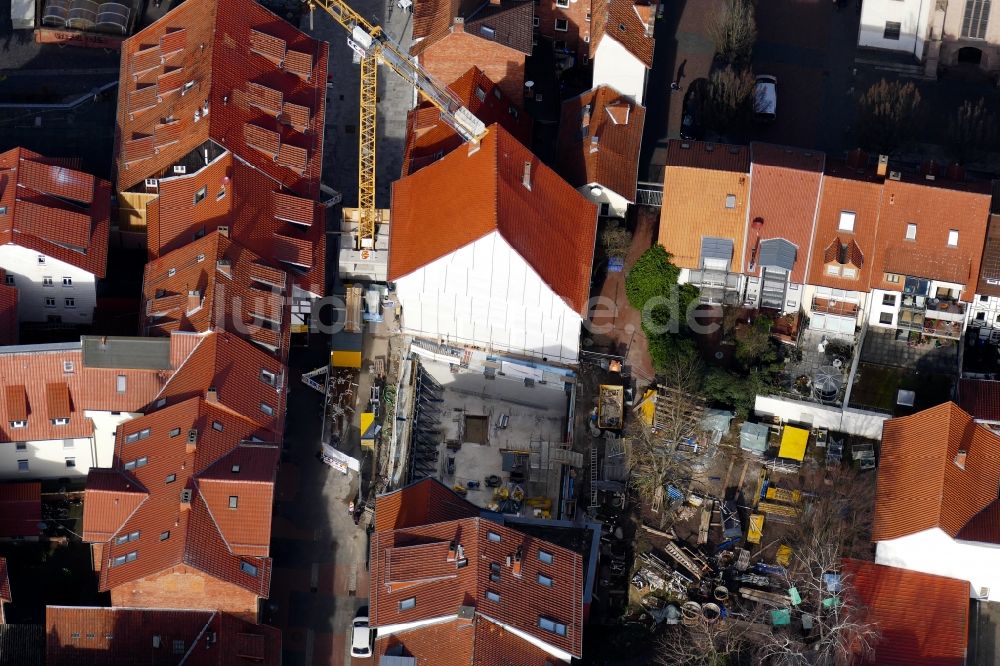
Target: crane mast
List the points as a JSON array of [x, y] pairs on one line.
[[374, 47]]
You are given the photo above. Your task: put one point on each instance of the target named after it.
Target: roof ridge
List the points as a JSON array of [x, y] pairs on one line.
[[204, 336]]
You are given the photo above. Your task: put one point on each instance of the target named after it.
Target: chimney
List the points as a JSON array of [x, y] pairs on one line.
[[192, 441], [194, 300], [526, 181], [883, 165], [585, 122], [186, 499], [224, 267], [458, 24], [451, 552], [517, 562], [211, 395], [465, 616], [495, 3], [594, 144]]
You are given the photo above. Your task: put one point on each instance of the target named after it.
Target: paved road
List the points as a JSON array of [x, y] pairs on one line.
[[319, 553]]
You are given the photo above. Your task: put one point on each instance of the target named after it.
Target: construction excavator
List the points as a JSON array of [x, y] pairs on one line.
[[375, 47]]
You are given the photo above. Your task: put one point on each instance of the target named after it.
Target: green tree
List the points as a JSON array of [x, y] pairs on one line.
[[754, 346], [652, 276], [728, 388], [887, 115]]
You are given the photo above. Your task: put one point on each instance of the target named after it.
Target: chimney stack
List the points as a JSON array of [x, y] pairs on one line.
[[458, 24], [211, 395], [883, 166], [594, 144], [585, 122], [526, 181]]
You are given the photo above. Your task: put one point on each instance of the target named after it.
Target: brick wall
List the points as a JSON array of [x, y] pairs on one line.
[[577, 17], [452, 56], [182, 587]]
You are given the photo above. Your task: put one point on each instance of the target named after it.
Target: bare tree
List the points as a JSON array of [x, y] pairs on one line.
[[653, 457], [887, 114], [841, 513], [972, 129], [728, 99], [709, 644], [733, 29], [840, 625]]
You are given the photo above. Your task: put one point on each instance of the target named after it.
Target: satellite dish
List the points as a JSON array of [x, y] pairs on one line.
[[529, 84]]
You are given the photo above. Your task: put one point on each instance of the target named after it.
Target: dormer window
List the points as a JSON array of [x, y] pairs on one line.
[[19, 424], [60, 422]]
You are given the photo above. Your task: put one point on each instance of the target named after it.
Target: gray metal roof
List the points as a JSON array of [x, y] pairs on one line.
[[126, 352], [716, 248], [753, 437], [777, 252], [45, 347]]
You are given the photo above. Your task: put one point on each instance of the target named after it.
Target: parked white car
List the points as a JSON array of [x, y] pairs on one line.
[[362, 636]]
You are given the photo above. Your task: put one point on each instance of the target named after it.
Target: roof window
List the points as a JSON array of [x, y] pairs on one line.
[[545, 580], [493, 536], [248, 568], [847, 221], [552, 626], [407, 604], [493, 596], [545, 557]]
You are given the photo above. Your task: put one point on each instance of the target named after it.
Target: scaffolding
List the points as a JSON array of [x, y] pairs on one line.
[[425, 433]]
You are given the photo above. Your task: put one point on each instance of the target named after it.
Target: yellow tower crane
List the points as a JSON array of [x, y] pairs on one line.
[[375, 47]]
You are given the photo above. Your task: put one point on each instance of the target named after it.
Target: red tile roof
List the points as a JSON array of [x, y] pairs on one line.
[[989, 274], [423, 502], [206, 449], [227, 50], [923, 618], [455, 643], [935, 207], [8, 312], [484, 190], [428, 137], [413, 562], [226, 370], [844, 191], [508, 21], [980, 398], [251, 209], [88, 636], [215, 283], [54, 210], [55, 382], [784, 194], [627, 22], [600, 133], [20, 509], [924, 483], [4, 583]]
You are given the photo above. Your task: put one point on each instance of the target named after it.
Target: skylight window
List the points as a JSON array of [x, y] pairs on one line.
[[248, 568], [545, 557], [407, 604], [552, 626]]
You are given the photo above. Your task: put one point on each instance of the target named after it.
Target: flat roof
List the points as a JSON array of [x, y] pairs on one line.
[[126, 352]]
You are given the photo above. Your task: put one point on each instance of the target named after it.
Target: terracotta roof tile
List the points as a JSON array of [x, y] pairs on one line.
[[510, 21], [224, 48], [233, 288], [185, 440], [56, 383], [141, 99], [989, 275], [784, 192], [413, 561], [456, 643], [484, 189], [429, 138], [923, 618], [619, 20], [4, 581], [55, 210], [926, 204], [924, 483], [8, 312], [980, 398], [111, 499], [247, 473], [57, 400], [698, 179], [264, 98], [295, 158], [844, 191], [20, 509], [616, 122], [89, 636], [265, 140]]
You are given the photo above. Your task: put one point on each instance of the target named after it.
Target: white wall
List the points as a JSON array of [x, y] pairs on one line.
[[486, 295], [932, 551], [851, 421], [105, 425], [616, 67], [28, 274], [914, 15], [839, 325], [984, 313], [46, 459], [617, 204]]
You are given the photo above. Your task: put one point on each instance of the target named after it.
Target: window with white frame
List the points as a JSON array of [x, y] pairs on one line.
[[911, 231], [47, 281], [67, 282], [953, 238], [846, 220], [562, 25]]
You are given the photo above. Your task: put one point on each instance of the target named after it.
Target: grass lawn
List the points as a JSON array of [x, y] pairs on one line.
[[876, 388]]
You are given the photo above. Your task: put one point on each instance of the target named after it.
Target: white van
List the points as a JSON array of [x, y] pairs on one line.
[[765, 100]]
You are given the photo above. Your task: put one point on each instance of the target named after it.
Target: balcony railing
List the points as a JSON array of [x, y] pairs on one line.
[[834, 306]]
